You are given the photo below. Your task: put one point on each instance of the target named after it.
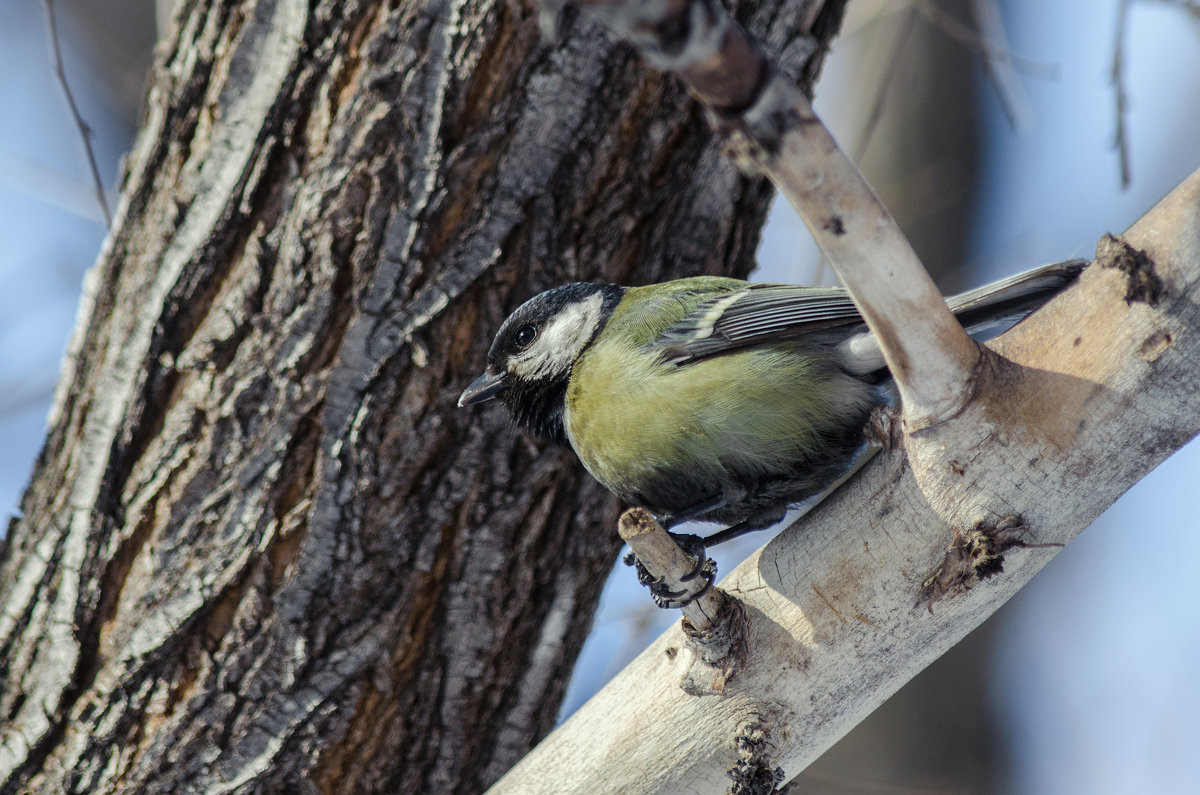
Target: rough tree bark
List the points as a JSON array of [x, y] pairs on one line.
[[260, 550]]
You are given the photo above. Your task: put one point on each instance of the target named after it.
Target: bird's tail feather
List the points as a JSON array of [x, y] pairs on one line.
[[984, 312], [994, 308]]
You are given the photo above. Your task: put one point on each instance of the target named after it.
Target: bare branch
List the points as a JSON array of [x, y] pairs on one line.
[[85, 132], [988, 48], [714, 624], [868, 128], [999, 65], [1120, 95]]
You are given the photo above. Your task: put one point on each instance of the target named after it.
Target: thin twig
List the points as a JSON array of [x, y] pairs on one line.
[[85, 132], [961, 33], [1121, 97], [906, 28], [1117, 79], [986, 14]]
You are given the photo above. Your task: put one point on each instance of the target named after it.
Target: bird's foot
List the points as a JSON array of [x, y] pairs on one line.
[[764, 518], [694, 547], [664, 596]]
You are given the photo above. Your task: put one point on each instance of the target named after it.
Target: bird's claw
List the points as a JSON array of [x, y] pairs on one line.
[[693, 547], [663, 595]]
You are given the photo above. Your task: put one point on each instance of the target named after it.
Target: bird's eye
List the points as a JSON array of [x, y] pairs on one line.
[[525, 336]]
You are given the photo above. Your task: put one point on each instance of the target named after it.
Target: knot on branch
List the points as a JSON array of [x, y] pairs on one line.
[[754, 135], [883, 428], [720, 649], [672, 36], [973, 556], [1142, 282], [753, 773]]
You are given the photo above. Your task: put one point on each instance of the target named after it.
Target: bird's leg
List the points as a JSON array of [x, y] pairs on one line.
[[772, 514], [692, 511], [741, 528], [696, 546]]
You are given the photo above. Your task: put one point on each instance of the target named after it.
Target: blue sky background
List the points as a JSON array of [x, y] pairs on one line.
[[1093, 682], [50, 223]]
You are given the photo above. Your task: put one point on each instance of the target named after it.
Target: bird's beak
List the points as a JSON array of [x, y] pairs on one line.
[[485, 387]]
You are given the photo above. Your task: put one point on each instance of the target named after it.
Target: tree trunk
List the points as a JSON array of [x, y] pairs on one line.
[[261, 550]]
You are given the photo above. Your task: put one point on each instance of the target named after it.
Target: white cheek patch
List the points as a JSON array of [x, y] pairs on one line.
[[561, 340]]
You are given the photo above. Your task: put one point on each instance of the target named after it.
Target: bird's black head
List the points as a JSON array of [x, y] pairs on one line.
[[530, 360]]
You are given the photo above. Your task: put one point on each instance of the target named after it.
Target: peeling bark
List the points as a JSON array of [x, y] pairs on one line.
[[260, 549]]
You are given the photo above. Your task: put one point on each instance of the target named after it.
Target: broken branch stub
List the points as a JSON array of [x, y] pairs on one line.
[[713, 622]]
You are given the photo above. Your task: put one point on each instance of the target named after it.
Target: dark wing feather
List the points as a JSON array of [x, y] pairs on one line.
[[763, 313], [754, 315]]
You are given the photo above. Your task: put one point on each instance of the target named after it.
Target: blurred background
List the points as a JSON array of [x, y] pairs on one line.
[[992, 130]]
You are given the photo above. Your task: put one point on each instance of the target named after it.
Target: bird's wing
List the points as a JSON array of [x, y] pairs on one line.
[[762, 313], [754, 315]]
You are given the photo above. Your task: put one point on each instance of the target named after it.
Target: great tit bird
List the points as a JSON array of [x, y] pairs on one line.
[[712, 398]]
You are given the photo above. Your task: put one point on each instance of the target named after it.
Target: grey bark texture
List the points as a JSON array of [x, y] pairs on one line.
[[261, 550]]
